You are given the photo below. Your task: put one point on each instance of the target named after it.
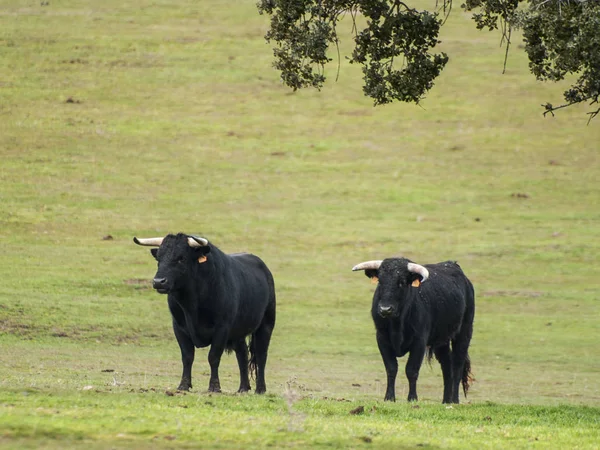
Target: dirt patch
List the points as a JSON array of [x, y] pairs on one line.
[[17, 329], [528, 294], [355, 113], [139, 283]]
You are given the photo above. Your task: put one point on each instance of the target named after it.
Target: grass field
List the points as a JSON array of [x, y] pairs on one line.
[[142, 118]]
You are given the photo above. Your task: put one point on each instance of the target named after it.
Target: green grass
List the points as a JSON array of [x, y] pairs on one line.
[[177, 122]]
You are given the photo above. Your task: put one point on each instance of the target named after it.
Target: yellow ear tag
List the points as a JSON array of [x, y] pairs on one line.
[[374, 280], [202, 259], [416, 283]]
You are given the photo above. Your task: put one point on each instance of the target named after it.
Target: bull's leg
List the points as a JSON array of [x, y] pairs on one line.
[[442, 354], [261, 339], [461, 365], [241, 353], [413, 365], [214, 358], [187, 357], [391, 366]]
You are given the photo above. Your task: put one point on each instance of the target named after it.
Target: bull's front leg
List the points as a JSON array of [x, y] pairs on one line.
[[413, 365], [391, 365], [214, 358], [187, 357]]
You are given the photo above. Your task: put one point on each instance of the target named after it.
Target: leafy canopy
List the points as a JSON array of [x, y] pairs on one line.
[[396, 46]]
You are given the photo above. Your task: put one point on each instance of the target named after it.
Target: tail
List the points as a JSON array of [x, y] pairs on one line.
[[467, 378], [252, 361]]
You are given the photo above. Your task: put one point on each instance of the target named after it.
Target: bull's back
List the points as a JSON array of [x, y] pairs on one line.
[[255, 289], [449, 295], [252, 270], [448, 280]]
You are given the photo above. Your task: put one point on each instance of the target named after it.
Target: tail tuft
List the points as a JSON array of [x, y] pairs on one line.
[[467, 378], [252, 368], [429, 354]]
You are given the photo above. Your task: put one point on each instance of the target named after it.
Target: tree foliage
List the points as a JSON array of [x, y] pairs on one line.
[[396, 46]]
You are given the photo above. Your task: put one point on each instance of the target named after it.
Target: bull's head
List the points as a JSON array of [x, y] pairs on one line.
[[176, 255], [395, 277]]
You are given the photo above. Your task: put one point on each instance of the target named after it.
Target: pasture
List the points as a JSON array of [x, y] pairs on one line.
[[122, 119]]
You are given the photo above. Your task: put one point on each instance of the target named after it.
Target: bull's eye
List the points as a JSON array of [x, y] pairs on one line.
[[180, 260]]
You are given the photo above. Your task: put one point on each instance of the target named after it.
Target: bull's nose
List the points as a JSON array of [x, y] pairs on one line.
[[385, 311], [159, 283]]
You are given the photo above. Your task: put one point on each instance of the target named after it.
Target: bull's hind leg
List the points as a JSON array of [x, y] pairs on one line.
[[461, 366], [442, 354], [241, 353], [260, 347]]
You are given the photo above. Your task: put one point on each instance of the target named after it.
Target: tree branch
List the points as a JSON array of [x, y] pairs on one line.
[[592, 115], [595, 99], [507, 47]]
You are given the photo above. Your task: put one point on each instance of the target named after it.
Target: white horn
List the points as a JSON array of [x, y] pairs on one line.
[[150, 242], [416, 268], [194, 241], [367, 265]]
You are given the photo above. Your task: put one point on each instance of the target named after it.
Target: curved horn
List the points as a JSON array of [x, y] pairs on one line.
[[194, 241], [150, 242], [367, 265], [417, 268]]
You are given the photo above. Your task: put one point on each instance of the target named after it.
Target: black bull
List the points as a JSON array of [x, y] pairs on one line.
[[418, 308], [216, 300]]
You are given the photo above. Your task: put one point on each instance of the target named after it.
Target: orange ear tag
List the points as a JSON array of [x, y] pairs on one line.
[[202, 259], [416, 283], [374, 280]]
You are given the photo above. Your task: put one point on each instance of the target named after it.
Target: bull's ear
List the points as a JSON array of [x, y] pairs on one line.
[[414, 279], [202, 251], [373, 274], [154, 252]]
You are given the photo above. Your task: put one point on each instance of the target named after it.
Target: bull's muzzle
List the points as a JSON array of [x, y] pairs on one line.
[[386, 311], [161, 285]]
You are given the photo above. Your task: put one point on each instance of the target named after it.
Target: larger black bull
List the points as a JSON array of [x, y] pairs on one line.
[[216, 299], [416, 308]]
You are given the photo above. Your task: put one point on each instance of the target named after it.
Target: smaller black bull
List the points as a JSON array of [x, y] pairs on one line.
[[418, 310], [216, 299]]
